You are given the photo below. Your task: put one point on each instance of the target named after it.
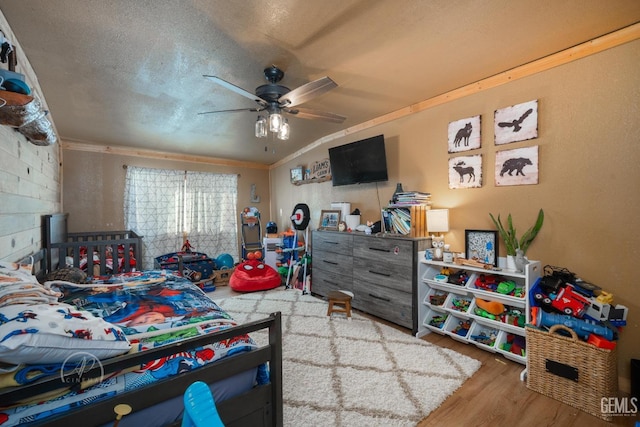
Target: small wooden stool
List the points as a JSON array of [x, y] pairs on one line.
[[339, 302]]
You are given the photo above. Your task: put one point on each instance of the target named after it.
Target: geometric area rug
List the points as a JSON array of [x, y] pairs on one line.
[[359, 372]]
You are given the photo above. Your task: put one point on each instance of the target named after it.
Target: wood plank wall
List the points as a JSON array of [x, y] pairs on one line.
[[30, 176]]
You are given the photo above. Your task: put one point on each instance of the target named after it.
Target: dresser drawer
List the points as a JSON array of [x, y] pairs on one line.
[[380, 250], [337, 243], [331, 261], [323, 282], [388, 274], [386, 303]]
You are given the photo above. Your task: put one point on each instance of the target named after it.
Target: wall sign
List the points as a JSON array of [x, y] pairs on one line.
[[320, 170]]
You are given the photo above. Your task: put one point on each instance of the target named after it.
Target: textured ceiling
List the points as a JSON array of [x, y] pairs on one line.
[[129, 72]]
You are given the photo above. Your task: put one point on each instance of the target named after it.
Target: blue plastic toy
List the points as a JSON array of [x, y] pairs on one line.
[[199, 407], [581, 327], [224, 261]]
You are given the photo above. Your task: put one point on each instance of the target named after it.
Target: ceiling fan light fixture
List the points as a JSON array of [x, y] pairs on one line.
[[275, 122], [261, 127], [284, 132]]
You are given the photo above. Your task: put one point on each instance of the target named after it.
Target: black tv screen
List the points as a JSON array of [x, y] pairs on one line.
[[359, 162]]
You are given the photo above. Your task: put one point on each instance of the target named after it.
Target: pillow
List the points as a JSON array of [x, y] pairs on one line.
[[55, 333]]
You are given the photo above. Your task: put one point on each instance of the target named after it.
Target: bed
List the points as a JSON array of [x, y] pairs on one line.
[[112, 251], [258, 402]]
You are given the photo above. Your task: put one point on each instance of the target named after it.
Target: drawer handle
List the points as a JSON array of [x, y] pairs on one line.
[[329, 262], [379, 249], [380, 274], [380, 298], [330, 282]]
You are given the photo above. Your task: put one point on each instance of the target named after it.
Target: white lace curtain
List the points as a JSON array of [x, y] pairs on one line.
[[168, 206]]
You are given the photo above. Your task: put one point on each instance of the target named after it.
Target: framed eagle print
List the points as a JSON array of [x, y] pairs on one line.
[[516, 123]]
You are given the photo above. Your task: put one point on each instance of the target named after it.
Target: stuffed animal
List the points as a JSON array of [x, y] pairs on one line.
[[438, 247]]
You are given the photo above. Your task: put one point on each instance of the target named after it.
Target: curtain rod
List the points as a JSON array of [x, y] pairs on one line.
[[125, 166]]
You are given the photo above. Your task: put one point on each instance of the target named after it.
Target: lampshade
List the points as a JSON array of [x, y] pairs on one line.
[[283, 134], [438, 220], [275, 122], [261, 127]]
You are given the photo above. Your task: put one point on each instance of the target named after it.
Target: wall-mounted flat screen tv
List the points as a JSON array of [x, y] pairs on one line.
[[359, 162]]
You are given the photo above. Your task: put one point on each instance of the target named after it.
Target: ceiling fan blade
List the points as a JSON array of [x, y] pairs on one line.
[[236, 89], [307, 92], [307, 113], [233, 111]]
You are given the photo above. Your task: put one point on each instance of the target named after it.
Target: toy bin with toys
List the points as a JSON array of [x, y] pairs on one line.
[[483, 336], [571, 341], [435, 298], [512, 346], [435, 320], [458, 328], [195, 266], [458, 304]]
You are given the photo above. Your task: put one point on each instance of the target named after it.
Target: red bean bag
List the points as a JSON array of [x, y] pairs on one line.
[[254, 275]]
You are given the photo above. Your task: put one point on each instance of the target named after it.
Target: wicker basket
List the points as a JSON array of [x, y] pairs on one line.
[[570, 370], [223, 276]]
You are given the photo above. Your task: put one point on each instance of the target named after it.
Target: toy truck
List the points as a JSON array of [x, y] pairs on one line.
[[566, 301]]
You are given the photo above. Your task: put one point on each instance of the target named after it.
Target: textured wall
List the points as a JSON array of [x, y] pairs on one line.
[[94, 186]]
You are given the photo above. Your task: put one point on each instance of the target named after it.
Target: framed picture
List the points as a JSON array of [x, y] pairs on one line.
[[465, 171], [297, 174], [516, 123], [481, 245], [517, 167], [329, 220], [464, 134]]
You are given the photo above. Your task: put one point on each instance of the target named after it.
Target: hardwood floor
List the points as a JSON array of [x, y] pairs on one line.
[[495, 396]]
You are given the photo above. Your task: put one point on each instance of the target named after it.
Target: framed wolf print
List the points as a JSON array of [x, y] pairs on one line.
[[516, 123], [517, 167], [464, 135]]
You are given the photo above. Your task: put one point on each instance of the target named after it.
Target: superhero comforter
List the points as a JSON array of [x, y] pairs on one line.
[[152, 309]]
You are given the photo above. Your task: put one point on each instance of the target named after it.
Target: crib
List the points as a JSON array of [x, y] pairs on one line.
[[113, 251]]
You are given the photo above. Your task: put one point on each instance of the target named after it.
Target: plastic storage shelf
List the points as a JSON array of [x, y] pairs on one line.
[[503, 286]]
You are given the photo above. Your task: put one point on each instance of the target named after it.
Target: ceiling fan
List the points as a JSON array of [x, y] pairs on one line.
[[276, 98]]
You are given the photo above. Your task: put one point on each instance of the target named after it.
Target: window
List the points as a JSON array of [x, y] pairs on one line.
[[168, 206]]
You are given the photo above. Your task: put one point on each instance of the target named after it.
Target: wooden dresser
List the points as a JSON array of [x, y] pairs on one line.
[[381, 271]]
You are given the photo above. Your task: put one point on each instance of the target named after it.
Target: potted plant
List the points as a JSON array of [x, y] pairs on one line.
[[514, 245]]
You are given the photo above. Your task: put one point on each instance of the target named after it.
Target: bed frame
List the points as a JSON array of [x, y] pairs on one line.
[[260, 406], [59, 243]]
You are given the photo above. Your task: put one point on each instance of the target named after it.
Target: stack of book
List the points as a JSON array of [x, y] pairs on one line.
[[411, 198], [400, 220]]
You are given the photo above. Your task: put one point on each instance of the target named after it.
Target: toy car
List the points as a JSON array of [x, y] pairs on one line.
[[458, 278], [566, 301], [487, 282], [506, 287]]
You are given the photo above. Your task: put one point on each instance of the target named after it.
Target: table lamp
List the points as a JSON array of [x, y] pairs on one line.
[[437, 222]]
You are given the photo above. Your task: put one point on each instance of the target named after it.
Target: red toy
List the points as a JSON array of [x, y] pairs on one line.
[[488, 282], [187, 247], [566, 301], [254, 275], [601, 342]]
